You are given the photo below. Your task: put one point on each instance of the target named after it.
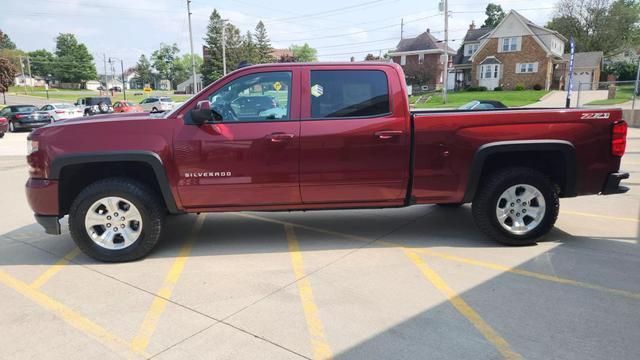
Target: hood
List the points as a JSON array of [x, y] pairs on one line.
[[105, 117]]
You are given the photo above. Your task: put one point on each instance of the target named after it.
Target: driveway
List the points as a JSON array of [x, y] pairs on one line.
[[557, 98], [30, 100]]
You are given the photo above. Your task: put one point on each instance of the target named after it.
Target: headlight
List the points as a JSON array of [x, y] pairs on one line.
[[32, 146]]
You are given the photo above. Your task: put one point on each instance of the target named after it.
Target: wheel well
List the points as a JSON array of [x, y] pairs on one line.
[[74, 178], [553, 164]]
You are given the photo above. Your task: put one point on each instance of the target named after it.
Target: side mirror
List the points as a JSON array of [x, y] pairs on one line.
[[202, 113]]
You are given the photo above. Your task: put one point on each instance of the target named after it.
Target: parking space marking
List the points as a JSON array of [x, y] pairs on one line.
[[463, 308], [55, 268], [65, 313], [319, 343], [141, 341], [607, 217], [460, 259]]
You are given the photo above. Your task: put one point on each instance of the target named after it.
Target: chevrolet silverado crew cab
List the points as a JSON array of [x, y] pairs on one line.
[[334, 136]]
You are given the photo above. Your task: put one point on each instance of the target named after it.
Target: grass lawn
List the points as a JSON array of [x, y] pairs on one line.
[[509, 98], [71, 95], [624, 93]]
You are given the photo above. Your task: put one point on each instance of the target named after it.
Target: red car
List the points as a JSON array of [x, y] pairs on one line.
[[122, 106], [4, 123], [341, 136]]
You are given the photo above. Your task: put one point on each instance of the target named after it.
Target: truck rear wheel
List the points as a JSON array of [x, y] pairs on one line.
[[516, 206], [116, 220]]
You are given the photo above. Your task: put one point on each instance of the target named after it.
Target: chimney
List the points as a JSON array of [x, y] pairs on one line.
[[472, 26], [428, 30]]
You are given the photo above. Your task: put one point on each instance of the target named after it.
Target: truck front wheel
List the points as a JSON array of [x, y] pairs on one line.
[[116, 219], [516, 206]]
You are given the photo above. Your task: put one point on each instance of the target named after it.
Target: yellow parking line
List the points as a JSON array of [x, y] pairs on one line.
[[599, 216], [463, 308], [65, 313], [55, 268], [321, 348], [460, 259], [141, 341]]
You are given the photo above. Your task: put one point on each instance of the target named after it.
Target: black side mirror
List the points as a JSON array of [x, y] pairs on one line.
[[202, 113]]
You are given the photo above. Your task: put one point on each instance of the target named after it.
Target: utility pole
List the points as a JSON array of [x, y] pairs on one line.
[[224, 49], [445, 79], [29, 70], [104, 59], [124, 86], [193, 60], [24, 78], [401, 28]]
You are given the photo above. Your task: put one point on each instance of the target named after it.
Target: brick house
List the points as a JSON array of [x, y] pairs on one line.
[[423, 51], [461, 61], [516, 52]]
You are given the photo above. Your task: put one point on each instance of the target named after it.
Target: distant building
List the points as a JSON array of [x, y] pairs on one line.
[[186, 86], [24, 79], [282, 55]]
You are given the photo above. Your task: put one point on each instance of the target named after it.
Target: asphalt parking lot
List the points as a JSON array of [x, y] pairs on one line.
[[411, 283]]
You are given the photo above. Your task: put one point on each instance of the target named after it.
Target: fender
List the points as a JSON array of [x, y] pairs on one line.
[[564, 147], [147, 157]]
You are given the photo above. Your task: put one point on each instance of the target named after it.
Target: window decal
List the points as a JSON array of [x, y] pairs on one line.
[[317, 90]]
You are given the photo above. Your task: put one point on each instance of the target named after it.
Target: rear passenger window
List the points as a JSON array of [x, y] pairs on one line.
[[348, 93]]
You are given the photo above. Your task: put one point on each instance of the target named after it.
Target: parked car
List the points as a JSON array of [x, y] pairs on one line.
[[61, 111], [157, 104], [94, 105], [482, 105], [126, 106], [3, 126], [22, 117], [336, 146]]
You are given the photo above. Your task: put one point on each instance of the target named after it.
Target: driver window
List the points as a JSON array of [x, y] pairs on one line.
[[255, 97]]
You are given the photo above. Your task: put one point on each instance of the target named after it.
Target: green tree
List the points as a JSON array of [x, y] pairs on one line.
[[211, 68], [5, 41], [304, 53], [74, 63], [495, 14], [143, 70], [42, 62], [262, 44], [164, 61], [7, 75], [599, 25], [183, 68], [250, 52]]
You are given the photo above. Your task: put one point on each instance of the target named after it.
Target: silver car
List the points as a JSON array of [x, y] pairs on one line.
[[157, 104]]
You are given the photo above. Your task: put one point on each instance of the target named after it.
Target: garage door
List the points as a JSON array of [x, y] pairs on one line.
[[582, 80]]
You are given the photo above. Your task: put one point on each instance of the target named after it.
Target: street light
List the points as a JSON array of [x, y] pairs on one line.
[[124, 87]]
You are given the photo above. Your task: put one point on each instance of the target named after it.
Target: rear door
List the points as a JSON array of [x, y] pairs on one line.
[[354, 147], [250, 157]]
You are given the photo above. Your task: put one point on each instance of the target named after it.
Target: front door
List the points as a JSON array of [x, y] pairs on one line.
[[490, 76], [354, 147], [250, 154]]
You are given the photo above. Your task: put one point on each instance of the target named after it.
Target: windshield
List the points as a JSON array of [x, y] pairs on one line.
[[166, 99], [469, 105], [25, 108], [63, 106], [130, 103]]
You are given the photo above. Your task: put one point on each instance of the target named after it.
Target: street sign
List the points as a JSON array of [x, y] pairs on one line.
[[277, 86], [146, 90]]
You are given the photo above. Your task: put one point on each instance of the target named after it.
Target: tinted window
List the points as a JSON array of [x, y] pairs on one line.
[[25, 109], [166, 99], [259, 96], [348, 93]]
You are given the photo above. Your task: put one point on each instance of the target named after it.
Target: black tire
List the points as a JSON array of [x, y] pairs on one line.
[[147, 202], [1, 135], [450, 205], [154, 110], [103, 108], [486, 200]]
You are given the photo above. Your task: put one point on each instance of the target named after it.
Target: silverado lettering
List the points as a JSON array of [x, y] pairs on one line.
[[325, 136]]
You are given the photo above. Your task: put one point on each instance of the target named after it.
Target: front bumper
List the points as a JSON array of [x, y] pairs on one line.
[[31, 125], [42, 195], [612, 185]]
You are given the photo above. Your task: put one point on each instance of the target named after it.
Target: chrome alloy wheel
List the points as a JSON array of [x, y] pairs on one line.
[[520, 209], [113, 223]]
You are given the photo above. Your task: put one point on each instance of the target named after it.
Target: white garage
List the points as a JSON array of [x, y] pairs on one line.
[[586, 69]]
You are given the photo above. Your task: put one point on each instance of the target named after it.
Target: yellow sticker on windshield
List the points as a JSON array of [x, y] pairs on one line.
[[277, 86]]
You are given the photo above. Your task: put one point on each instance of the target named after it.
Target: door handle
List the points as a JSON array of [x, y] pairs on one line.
[[280, 137], [387, 134]]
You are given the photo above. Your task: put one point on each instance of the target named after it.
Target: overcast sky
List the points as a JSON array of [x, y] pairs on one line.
[[339, 29]]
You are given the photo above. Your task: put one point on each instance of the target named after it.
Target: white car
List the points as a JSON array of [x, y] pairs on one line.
[[62, 111], [157, 104]]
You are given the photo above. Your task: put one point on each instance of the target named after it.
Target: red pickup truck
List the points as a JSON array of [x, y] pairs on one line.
[[315, 136]]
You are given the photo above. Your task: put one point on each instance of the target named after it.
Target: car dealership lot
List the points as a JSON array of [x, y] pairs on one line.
[[417, 282]]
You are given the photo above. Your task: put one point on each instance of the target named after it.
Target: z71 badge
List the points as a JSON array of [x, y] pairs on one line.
[[595, 116]]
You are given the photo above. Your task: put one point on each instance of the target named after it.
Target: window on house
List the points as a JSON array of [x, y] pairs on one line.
[[471, 48], [487, 71], [509, 44], [525, 68], [403, 60], [495, 71], [421, 59]]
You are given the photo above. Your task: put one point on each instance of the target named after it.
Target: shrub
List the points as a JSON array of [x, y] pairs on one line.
[[477, 88], [519, 87], [537, 87], [497, 88]]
